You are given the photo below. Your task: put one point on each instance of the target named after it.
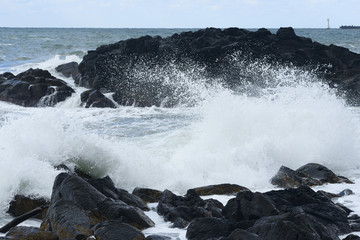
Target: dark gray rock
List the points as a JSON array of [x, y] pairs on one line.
[[94, 98], [157, 237], [187, 208], [76, 206], [180, 223], [320, 207], [311, 174], [219, 189], [207, 228], [107, 187], [296, 224], [22, 204], [34, 87], [249, 206], [129, 67], [116, 230], [70, 69], [352, 237], [29, 233], [147, 195], [240, 234]]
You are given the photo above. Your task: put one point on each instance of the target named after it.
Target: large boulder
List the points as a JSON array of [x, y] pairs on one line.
[[69, 70], [22, 204], [77, 206], [177, 208], [208, 228], [30, 233], [94, 98], [107, 187], [292, 225], [249, 208], [115, 230], [311, 174], [139, 70], [147, 194], [34, 87], [219, 189]]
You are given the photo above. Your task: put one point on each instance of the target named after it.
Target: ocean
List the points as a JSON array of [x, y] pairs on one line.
[[226, 137]]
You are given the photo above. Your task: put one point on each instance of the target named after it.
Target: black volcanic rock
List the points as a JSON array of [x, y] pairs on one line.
[[139, 70], [69, 70], [179, 209], [22, 204], [94, 98], [311, 174], [34, 87], [251, 208], [77, 206], [209, 228]]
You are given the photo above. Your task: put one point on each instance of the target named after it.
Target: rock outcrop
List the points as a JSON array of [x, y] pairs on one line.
[[139, 70], [94, 98], [311, 174], [34, 87], [89, 208]]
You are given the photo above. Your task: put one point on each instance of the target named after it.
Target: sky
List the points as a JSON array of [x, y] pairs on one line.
[[179, 13]]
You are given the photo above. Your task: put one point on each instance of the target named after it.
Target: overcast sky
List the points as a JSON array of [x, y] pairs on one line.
[[179, 13]]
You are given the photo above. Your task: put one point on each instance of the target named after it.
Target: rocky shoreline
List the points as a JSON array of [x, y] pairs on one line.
[[147, 71], [90, 208]]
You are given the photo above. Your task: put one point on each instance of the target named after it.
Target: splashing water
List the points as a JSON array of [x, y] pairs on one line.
[[227, 136]]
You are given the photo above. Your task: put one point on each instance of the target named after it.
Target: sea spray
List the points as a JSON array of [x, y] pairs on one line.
[[239, 136]]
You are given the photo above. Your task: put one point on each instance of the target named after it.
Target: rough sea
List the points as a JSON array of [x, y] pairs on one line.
[[226, 137]]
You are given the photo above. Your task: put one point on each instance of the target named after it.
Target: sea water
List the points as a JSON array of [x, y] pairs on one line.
[[225, 137]]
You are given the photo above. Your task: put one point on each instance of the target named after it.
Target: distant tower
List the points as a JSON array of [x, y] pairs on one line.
[[328, 25]]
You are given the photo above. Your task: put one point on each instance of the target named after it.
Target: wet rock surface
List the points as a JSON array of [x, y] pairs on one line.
[[30, 233], [311, 174], [90, 208], [70, 69], [176, 208], [32, 88], [220, 189], [129, 67], [147, 195], [22, 204], [94, 98]]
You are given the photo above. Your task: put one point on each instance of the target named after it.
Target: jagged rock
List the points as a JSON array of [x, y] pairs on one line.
[[68, 221], [129, 67], [76, 206], [248, 206], [240, 234], [157, 237], [346, 192], [220, 189], [208, 228], [22, 204], [321, 173], [30, 233], [107, 187], [147, 195], [34, 87], [114, 230], [180, 223], [70, 69], [320, 207], [352, 237], [296, 224], [311, 174], [94, 98], [188, 208]]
